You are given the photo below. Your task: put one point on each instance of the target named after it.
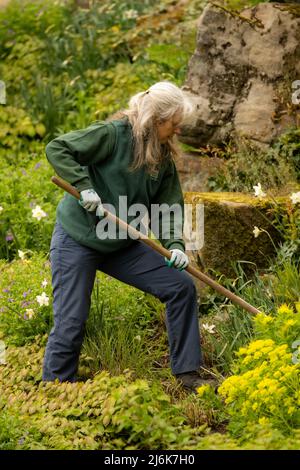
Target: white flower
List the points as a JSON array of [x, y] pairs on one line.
[[38, 213], [72, 82], [42, 299], [1, 208], [256, 231], [21, 254], [295, 197], [130, 14], [44, 283], [138, 338], [209, 328], [258, 191], [29, 313]]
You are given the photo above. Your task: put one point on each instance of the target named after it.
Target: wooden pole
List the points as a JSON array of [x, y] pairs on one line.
[[135, 234]]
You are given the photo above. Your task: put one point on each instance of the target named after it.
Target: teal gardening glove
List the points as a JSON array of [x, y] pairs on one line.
[[178, 259]]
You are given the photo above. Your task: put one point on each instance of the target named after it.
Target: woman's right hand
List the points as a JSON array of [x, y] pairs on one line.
[[89, 200]]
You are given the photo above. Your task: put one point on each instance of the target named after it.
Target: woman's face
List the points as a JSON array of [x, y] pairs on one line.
[[166, 129]]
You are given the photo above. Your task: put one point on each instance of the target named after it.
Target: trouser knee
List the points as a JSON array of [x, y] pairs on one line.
[[185, 287]]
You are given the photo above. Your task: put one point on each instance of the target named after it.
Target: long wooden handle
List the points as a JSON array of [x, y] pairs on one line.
[[163, 251]]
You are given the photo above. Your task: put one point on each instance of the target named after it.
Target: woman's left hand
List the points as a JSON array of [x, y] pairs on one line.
[[178, 259]]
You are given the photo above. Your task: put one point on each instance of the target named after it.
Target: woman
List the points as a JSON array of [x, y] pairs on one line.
[[130, 157]]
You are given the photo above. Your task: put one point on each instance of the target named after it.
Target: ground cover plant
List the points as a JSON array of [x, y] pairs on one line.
[[65, 67]]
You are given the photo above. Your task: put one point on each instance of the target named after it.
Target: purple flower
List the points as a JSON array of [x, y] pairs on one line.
[[10, 300], [9, 237], [5, 290], [26, 303], [2, 309], [24, 172], [37, 166], [25, 294]]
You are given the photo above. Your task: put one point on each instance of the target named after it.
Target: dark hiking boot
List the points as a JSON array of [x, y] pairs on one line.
[[190, 381]]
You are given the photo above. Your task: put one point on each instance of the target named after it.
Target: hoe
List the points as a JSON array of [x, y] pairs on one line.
[[163, 251]]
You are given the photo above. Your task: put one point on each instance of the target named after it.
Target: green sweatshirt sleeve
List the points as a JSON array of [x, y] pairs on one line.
[[71, 153], [170, 194]]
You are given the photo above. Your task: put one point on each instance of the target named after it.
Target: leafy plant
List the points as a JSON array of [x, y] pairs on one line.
[[124, 331]]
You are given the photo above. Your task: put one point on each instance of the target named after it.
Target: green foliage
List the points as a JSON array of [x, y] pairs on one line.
[[22, 19], [124, 331], [119, 330], [288, 146], [23, 189], [284, 327], [86, 63], [22, 318], [265, 387], [246, 165], [233, 325], [286, 219], [63, 68], [103, 413], [286, 283], [17, 131], [8, 432]]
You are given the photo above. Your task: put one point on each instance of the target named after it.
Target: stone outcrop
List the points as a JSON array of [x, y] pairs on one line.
[[195, 170], [229, 221], [241, 75]]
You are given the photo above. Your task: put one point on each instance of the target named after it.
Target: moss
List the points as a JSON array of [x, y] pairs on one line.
[[291, 8], [239, 198], [229, 221]]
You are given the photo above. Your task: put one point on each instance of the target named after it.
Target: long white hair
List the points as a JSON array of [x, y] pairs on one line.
[[145, 110]]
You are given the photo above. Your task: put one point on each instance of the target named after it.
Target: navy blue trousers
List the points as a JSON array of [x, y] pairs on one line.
[[74, 269]]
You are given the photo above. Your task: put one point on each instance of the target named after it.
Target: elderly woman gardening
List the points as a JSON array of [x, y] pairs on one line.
[[118, 164]]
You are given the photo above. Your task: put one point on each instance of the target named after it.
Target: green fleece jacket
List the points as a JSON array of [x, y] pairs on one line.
[[99, 157]]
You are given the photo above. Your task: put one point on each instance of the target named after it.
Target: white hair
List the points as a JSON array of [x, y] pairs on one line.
[[148, 108]]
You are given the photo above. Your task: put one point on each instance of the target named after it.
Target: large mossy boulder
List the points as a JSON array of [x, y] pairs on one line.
[[229, 222]]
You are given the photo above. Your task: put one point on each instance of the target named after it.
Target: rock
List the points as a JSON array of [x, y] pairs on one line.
[[229, 221], [195, 170], [241, 75]]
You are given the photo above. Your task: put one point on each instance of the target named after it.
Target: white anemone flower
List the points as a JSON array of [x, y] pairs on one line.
[[258, 191], [295, 198], [42, 299], [21, 254], [29, 313], [209, 328], [256, 231], [38, 213]]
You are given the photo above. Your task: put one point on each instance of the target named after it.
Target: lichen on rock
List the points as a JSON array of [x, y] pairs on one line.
[[240, 76]]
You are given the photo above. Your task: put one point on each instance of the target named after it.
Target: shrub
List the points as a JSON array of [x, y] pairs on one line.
[[264, 388]]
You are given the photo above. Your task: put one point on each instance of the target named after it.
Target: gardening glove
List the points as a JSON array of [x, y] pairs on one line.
[[89, 200], [178, 259]]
